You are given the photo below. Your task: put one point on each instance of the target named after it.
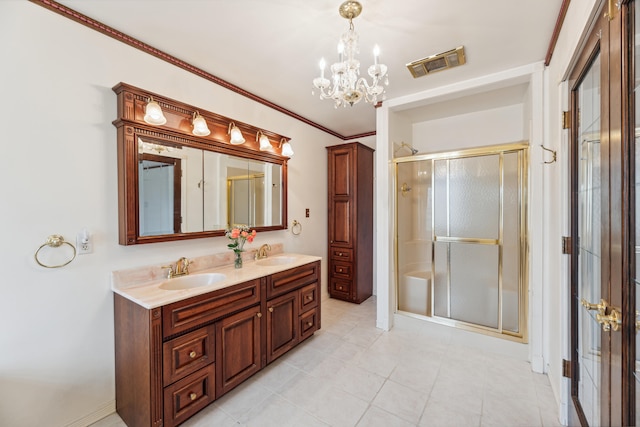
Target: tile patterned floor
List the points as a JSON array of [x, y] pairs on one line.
[[418, 374]]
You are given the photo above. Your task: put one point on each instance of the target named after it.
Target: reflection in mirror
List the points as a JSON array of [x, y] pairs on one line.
[[184, 189]]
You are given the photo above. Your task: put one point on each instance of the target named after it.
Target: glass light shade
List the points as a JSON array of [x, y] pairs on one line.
[[200, 127], [287, 150], [236, 136], [265, 145], [153, 114]]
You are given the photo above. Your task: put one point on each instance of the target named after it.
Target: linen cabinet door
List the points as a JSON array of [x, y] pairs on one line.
[[238, 354]]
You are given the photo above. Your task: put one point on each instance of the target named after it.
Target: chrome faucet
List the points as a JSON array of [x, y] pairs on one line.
[[262, 252], [181, 268]]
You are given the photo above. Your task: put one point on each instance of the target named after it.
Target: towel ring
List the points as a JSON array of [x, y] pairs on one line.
[[54, 241], [293, 227]]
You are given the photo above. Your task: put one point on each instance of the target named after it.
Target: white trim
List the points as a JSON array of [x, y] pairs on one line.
[[102, 412]]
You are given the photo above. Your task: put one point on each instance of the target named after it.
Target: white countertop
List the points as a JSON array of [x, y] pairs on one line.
[[149, 294]]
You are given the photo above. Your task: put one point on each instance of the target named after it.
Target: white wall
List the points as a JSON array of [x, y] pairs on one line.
[[56, 338]]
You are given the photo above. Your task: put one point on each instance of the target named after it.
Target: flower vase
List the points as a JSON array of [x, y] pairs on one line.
[[237, 263]]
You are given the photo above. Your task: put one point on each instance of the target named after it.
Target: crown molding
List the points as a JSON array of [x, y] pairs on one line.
[[133, 42]]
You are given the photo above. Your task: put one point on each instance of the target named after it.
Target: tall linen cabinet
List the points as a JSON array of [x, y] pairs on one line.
[[350, 188]]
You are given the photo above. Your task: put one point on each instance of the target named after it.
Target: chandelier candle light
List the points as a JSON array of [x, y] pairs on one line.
[[346, 86]]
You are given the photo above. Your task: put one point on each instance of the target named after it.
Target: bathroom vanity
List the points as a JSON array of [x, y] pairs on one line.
[[178, 348]]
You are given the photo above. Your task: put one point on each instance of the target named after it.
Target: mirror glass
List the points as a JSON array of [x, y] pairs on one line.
[[183, 189]]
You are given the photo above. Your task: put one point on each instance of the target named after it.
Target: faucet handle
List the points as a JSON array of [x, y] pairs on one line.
[[171, 271]]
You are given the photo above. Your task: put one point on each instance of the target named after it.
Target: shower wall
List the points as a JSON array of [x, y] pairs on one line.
[[461, 237]]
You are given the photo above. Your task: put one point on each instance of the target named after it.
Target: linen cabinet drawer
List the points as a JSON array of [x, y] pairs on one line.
[[341, 254], [340, 288], [188, 353], [308, 324], [190, 313], [288, 280], [187, 396], [308, 298], [341, 270]]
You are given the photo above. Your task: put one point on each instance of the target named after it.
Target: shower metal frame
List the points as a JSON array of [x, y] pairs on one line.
[[522, 149]]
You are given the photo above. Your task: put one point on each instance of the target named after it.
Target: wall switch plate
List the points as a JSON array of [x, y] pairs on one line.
[[84, 244]]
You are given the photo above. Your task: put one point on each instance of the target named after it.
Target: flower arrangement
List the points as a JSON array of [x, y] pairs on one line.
[[239, 234]]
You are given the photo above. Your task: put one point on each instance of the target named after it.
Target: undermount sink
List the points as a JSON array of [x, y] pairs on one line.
[[195, 281], [276, 260]]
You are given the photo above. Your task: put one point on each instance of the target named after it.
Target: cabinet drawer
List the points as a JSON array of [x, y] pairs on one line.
[[190, 313], [308, 297], [308, 324], [288, 280], [341, 254], [342, 270], [188, 353], [340, 288], [187, 396]]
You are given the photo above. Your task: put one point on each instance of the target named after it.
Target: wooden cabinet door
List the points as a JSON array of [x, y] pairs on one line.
[[238, 354], [282, 322], [340, 196]]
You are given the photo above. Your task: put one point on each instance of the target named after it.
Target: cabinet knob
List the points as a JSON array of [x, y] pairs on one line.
[[339, 288], [339, 270], [339, 253], [259, 314], [270, 309], [193, 396], [309, 323], [309, 297], [192, 354]]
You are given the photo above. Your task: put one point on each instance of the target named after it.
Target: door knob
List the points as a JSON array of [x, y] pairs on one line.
[[609, 317]]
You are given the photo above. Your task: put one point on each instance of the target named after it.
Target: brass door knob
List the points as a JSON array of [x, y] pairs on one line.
[[192, 396], [270, 309], [607, 316], [192, 354], [259, 314]]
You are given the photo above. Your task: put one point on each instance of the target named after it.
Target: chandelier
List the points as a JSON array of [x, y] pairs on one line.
[[346, 85]]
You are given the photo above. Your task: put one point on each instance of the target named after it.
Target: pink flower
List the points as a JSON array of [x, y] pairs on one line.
[[235, 233], [250, 238], [253, 233], [244, 234]]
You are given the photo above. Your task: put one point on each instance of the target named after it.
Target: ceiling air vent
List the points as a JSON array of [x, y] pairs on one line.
[[433, 63]]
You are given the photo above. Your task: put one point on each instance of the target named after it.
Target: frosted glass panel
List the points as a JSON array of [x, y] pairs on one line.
[[511, 244], [474, 284], [440, 297], [474, 197], [440, 196]]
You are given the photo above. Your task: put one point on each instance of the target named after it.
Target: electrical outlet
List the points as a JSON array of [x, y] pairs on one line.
[[84, 244], [306, 213]]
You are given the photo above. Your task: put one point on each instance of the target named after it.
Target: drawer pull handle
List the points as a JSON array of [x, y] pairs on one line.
[[259, 314], [339, 270], [339, 288], [339, 253], [192, 396], [309, 323], [309, 297], [270, 309], [192, 355]]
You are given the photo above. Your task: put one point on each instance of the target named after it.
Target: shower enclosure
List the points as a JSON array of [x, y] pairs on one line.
[[461, 238]]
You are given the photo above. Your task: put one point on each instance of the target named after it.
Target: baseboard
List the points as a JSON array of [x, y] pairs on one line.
[[106, 410]]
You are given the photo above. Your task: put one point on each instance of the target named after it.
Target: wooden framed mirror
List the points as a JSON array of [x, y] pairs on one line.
[[174, 185]]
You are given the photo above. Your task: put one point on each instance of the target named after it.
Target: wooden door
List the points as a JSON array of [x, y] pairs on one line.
[[340, 196], [238, 354], [282, 324], [601, 120]]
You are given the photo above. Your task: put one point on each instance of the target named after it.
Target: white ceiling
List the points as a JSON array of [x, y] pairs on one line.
[[271, 48]]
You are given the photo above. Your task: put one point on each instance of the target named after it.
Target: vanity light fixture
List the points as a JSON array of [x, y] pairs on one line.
[[286, 148], [265, 145], [153, 113], [236, 135], [200, 127]]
